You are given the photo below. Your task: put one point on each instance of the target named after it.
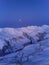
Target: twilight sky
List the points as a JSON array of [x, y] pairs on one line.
[[17, 13]]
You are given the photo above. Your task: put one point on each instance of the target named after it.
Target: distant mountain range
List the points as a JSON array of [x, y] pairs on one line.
[[19, 45]]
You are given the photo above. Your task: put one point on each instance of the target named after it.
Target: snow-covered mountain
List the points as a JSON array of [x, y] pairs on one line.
[[24, 46]]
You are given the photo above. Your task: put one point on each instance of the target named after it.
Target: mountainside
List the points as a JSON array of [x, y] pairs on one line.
[[24, 46]]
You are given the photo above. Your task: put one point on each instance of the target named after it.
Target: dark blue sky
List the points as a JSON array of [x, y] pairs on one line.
[[17, 13]]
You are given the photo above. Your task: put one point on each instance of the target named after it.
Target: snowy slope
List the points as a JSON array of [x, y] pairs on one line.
[[24, 46]]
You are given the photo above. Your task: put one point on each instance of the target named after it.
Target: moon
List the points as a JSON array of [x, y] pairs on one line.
[[20, 20]]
